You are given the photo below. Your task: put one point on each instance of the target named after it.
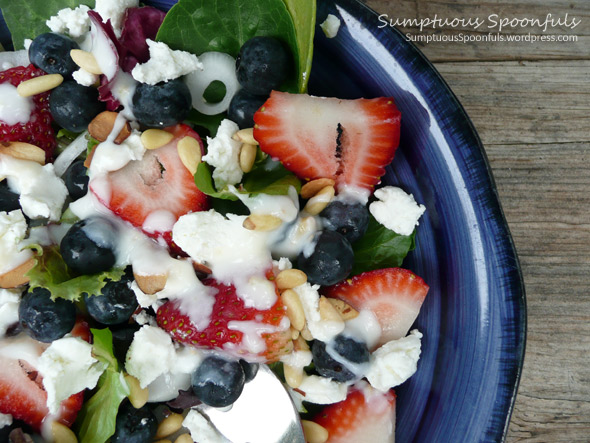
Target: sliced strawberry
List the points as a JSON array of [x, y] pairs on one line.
[[21, 387], [159, 185], [37, 130], [366, 415], [394, 295], [350, 141], [229, 307]]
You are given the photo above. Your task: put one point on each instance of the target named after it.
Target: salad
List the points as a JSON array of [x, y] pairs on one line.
[[176, 210]]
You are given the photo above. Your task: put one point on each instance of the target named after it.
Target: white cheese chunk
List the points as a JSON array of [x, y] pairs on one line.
[[396, 210], [330, 26], [68, 367], [74, 22], [223, 154], [13, 228], [150, 355], [201, 429], [394, 362], [165, 64]]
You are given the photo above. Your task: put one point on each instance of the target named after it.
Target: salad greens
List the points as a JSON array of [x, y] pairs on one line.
[[52, 273], [200, 26], [97, 418], [266, 177], [380, 248], [27, 19]]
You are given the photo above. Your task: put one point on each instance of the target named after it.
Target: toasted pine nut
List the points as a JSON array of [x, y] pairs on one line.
[[313, 432], [150, 284], [293, 375], [327, 311], [247, 156], [318, 202], [189, 151], [155, 138], [165, 440], [184, 438], [86, 61], [18, 276], [290, 278], [346, 311], [138, 396], [311, 188], [37, 85], [23, 151], [62, 434], [306, 334], [262, 222], [300, 344], [294, 334], [245, 135], [102, 125], [169, 425], [295, 310]]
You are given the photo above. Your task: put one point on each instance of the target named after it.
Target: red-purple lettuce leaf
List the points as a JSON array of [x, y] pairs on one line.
[[139, 24]]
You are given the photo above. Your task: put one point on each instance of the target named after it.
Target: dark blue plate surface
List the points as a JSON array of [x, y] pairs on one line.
[[473, 319]]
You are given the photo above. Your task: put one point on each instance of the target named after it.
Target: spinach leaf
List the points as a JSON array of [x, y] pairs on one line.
[[267, 176], [380, 248], [97, 418], [52, 273], [199, 26], [209, 123], [26, 19], [303, 13]]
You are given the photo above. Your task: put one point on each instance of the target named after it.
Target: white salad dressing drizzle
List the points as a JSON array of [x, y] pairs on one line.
[[104, 52], [13, 107]]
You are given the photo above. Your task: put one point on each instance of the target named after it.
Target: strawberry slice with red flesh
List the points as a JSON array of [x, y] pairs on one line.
[[37, 130], [218, 334], [159, 183], [365, 416], [21, 389], [394, 295], [350, 141]]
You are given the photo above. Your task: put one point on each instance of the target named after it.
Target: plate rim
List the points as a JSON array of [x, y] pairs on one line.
[[492, 205]]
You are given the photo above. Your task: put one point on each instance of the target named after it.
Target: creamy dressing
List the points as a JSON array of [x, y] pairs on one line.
[[13, 107]]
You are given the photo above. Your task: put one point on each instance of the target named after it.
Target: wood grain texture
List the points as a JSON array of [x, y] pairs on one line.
[[530, 104]]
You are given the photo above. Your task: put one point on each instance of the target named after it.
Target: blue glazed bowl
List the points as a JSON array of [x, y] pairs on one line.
[[474, 317]]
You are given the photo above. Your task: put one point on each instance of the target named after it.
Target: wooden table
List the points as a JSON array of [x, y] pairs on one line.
[[530, 103]]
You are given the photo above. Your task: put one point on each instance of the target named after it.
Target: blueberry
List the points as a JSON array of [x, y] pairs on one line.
[[88, 246], [162, 105], [115, 304], [250, 370], [243, 106], [76, 180], [51, 53], [342, 359], [8, 199], [330, 261], [218, 382], [262, 65], [73, 106], [349, 219], [134, 425], [44, 319]]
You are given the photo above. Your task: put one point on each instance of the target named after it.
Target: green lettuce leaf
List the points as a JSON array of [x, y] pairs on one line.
[[303, 13], [52, 273], [199, 26], [26, 19], [97, 418], [266, 177], [380, 248]]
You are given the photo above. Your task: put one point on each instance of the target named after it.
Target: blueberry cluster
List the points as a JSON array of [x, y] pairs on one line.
[[332, 257], [262, 65]]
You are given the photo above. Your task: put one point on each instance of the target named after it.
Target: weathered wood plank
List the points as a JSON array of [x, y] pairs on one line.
[[526, 102], [533, 118], [466, 49]]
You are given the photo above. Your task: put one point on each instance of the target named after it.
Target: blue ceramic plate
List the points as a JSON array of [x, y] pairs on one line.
[[473, 319]]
